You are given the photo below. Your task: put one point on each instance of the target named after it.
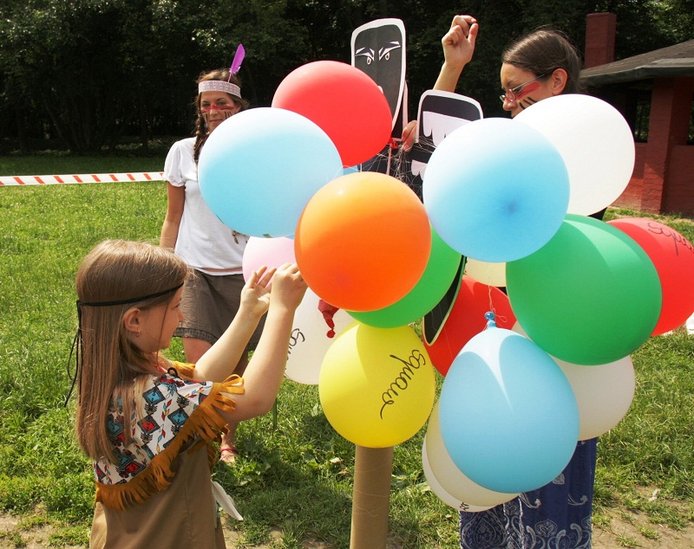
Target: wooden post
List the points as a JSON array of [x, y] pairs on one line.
[[371, 497]]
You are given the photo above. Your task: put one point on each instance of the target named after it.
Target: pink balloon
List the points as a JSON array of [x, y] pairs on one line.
[[266, 252]]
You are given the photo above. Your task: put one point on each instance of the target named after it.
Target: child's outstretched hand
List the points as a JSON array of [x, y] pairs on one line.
[[288, 287], [255, 295]]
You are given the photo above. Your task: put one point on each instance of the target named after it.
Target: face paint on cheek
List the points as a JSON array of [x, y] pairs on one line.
[[525, 103], [525, 90]]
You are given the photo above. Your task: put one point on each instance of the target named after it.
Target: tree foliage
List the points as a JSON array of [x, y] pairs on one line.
[[89, 72]]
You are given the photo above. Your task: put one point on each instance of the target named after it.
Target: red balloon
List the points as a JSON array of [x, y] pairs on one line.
[[344, 101], [673, 257], [363, 241], [466, 320]]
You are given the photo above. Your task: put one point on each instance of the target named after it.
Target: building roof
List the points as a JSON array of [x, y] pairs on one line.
[[677, 60]]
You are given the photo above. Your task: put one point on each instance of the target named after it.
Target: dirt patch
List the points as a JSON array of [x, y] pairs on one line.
[[13, 534], [628, 529]]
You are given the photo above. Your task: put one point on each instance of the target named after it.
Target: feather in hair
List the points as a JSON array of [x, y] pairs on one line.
[[238, 59]]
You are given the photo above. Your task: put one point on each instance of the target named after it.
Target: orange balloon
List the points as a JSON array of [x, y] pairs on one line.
[[363, 241]]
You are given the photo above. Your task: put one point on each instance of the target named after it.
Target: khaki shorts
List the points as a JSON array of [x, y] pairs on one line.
[[209, 304]]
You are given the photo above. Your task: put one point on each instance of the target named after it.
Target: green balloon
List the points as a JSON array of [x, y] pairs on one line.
[[432, 286], [591, 295]]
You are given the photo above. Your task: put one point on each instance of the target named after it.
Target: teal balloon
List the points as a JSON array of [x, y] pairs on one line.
[[432, 286], [508, 415], [590, 296], [259, 169], [496, 190]]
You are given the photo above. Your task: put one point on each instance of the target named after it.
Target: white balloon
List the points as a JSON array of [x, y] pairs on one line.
[[451, 479], [435, 486], [309, 339], [603, 393], [595, 142], [491, 274]]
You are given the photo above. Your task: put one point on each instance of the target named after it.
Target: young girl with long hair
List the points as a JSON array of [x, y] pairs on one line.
[[148, 423]]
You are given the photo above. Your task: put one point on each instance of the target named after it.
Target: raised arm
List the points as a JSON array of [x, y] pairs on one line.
[[458, 48], [219, 361], [265, 370]]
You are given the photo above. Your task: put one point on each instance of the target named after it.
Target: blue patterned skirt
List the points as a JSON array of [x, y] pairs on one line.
[[556, 516]]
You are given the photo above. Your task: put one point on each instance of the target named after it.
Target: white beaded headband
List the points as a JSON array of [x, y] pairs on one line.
[[219, 86]]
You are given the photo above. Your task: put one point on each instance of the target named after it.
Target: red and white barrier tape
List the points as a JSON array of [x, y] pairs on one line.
[[23, 180]]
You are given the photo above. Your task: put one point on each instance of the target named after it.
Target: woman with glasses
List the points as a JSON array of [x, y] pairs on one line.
[[213, 250], [537, 66]]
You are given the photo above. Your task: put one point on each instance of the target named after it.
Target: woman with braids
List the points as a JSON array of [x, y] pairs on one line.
[[213, 250]]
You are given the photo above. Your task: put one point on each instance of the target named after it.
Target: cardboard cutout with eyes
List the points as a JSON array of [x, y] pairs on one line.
[[378, 49]]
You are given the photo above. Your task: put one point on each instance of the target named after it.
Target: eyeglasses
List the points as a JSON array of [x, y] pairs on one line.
[[514, 94]]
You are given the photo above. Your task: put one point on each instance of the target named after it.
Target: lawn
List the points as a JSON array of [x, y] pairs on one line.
[[295, 473]]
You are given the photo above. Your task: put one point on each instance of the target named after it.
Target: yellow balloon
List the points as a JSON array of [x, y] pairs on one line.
[[377, 385]]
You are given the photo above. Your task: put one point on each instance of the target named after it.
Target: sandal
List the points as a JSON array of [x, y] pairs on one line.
[[228, 454]]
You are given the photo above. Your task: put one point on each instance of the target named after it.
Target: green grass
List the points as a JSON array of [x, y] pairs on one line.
[[296, 476]]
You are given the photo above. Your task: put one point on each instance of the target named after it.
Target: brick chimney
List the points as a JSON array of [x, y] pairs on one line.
[[601, 30]]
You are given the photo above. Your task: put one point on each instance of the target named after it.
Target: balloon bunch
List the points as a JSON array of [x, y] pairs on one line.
[[363, 242], [514, 196], [510, 196]]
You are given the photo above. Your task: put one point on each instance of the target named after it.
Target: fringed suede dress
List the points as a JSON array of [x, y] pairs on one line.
[[159, 494]]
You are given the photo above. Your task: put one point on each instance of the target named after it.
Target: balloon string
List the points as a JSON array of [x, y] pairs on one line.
[[427, 144], [492, 309], [390, 157]]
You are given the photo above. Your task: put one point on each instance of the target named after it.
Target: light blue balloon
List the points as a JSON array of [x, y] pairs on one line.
[[496, 190], [508, 415], [259, 169]]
